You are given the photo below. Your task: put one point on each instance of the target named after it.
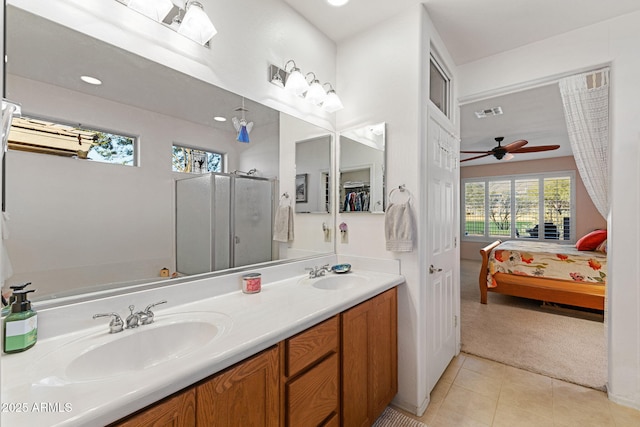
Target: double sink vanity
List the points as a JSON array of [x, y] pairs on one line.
[[300, 352]]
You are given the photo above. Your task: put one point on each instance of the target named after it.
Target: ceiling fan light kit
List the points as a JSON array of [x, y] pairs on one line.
[[507, 152]]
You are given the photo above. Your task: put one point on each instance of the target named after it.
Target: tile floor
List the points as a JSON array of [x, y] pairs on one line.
[[479, 392]]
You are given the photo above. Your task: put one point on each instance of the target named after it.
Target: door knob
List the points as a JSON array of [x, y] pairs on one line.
[[432, 269]]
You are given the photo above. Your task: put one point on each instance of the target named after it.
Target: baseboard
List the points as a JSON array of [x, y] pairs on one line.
[[418, 411], [624, 401]]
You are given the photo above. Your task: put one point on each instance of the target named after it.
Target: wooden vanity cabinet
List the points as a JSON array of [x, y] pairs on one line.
[[369, 359], [178, 410], [341, 372], [247, 394], [311, 376]]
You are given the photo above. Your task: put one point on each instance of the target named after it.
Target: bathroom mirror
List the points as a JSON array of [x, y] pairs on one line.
[[78, 226], [313, 175], [361, 182]]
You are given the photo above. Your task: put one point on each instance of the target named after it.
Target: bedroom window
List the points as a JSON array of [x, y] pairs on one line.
[[533, 207]]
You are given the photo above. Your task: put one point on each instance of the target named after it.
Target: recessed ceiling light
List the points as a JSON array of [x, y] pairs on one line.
[[91, 80], [337, 3], [220, 119]]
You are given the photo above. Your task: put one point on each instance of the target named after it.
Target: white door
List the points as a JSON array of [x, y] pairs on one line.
[[442, 256]]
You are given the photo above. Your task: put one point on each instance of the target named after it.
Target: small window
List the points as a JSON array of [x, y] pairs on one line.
[[192, 160], [439, 85], [60, 139]]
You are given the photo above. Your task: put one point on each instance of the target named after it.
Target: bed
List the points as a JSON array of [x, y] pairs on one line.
[[550, 272]]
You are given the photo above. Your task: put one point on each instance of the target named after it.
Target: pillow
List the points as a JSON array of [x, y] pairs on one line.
[[591, 241], [602, 247]]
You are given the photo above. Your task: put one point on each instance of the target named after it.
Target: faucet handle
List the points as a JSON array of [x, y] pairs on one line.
[[116, 324], [147, 314]]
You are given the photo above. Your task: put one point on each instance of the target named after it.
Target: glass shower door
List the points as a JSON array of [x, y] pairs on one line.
[[253, 216]]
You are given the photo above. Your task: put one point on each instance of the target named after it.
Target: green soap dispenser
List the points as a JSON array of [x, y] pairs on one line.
[[7, 309], [20, 327]]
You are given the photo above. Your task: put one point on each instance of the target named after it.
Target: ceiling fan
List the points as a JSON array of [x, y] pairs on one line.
[[507, 152]]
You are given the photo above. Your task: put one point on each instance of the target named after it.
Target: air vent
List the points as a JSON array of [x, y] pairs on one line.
[[495, 111]]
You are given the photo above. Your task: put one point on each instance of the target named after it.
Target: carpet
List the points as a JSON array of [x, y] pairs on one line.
[[392, 418], [565, 344]]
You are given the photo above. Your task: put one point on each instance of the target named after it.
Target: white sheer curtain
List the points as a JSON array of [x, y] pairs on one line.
[[586, 110]]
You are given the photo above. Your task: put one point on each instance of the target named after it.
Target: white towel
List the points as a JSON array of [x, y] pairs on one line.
[[5, 265], [283, 224], [398, 228]]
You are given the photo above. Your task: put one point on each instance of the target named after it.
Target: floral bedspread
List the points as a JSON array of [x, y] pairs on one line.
[[542, 259]]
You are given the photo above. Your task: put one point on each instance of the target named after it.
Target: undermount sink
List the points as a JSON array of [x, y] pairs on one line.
[[170, 337], [336, 282]]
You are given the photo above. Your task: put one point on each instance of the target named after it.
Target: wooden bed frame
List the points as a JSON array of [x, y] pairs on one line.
[[579, 294]]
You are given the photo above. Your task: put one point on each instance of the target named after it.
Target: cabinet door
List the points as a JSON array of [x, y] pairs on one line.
[[246, 394], [355, 366], [314, 396], [176, 411], [369, 359], [383, 357]]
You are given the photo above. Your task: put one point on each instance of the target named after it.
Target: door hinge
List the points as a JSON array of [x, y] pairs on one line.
[[455, 321], [455, 242]]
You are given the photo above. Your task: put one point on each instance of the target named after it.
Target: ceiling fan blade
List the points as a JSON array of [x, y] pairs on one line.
[[476, 157], [515, 145], [536, 149], [476, 152]]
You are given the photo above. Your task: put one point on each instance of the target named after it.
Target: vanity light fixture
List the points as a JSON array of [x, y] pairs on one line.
[[294, 81], [154, 9], [190, 20], [332, 103], [316, 94], [196, 25]]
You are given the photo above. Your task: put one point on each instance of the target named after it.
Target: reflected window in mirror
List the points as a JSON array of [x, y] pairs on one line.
[[35, 135], [362, 165], [193, 160], [313, 178]]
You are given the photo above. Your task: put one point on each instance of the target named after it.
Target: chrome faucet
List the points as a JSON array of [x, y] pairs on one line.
[[133, 320], [315, 272], [116, 324]]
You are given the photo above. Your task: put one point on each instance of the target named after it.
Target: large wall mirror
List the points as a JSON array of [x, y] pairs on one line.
[[361, 183], [78, 225]]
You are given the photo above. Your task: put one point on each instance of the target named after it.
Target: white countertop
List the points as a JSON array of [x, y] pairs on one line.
[[36, 390]]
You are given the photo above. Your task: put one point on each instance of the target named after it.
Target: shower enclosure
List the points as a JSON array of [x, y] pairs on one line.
[[223, 221]]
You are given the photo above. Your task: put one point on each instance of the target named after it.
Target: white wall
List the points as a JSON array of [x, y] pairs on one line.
[[614, 41], [382, 76], [378, 77]]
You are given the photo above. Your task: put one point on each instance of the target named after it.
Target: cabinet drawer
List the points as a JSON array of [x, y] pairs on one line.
[[311, 345], [314, 396]]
